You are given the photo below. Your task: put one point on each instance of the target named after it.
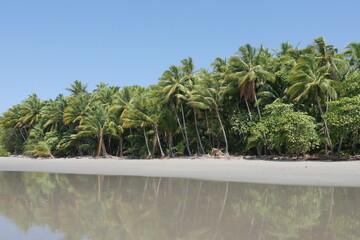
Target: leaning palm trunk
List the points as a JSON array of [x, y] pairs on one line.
[[147, 143], [224, 133], [197, 133], [257, 106], [248, 108], [185, 131], [327, 133], [158, 141], [181, 130]]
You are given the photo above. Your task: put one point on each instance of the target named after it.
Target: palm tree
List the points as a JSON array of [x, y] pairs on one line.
[[77, 88], [53, 112], [246, 73], [77, 107], [106, 95], [143, 111], [97, 122], [31, 110], [209, 95], [169, 126], [326, 54], [119, 102], [11, 120], [352, 51], [312, 83], [219, 65], [175, 88]]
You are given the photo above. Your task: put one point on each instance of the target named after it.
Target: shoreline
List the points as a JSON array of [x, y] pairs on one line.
[[232, 169]]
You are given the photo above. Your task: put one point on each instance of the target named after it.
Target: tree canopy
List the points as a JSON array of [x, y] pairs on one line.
[[258, 101]]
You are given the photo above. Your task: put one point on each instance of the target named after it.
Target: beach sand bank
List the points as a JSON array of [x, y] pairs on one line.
[[319, 173]]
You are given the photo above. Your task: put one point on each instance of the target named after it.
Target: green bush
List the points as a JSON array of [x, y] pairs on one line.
[[284, 130]]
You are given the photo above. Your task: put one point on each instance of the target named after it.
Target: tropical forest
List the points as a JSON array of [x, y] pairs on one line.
[[288, 101]]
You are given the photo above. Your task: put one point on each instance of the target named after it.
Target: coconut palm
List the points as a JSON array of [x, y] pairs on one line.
[[174, 86], [53, 112], [327, 54], [209, 95], [144, 111], [219, 65], [245, 73], [31, 110], [313, 84], [97, 122], [77, 108], [352, 51], [106, 95], [77, 88], [11, 120]]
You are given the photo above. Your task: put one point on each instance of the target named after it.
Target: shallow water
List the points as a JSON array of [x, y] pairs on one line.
[[63, 206]]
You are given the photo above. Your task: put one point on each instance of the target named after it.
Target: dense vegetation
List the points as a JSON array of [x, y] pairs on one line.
[[287, 101]]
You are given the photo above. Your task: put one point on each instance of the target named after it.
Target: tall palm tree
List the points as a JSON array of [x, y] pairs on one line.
[[327, 54], [312, 83], [144, 111], [77, 107], [97, 122], [119, 102], [77, 87], [53, 112], [219, 65], [245, 72], [11, 120], [352, 51], [209, 95], [175, 88], [31, 110]]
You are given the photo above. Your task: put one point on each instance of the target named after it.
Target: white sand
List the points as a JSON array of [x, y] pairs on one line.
[[224, 169]]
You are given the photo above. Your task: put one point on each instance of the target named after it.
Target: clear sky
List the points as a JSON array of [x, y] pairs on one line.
[[47, 44]]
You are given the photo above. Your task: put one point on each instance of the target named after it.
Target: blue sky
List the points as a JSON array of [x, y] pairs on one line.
[[46, 45]]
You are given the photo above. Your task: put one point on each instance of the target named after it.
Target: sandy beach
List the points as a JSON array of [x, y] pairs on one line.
[[319, 173]]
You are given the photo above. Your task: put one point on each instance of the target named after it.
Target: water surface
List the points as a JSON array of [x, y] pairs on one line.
[[77, 207]]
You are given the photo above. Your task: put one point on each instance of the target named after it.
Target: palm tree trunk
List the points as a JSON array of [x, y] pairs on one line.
[[21, 134], [180, 126], [171, 152], [197, 133], [154, 145], [103, 147], [248, 108], [121, 146], [340, 143], [185, 131], [158, 140], [147, 143], [327, 133], [257, 106], [224, 133], [207, 126], [100, 141]]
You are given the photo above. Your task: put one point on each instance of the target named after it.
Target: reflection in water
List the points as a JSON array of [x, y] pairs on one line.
[[115, 207]]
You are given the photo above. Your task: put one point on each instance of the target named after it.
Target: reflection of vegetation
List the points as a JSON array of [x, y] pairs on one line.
[[104, 207]]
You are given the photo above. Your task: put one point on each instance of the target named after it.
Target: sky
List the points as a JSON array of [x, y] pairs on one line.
[[47, 45], [9, 231]]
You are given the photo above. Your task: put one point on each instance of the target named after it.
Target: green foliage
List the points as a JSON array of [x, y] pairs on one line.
[[284, 130], [351, 85], [241, 105], [344, 120], [3, 151]]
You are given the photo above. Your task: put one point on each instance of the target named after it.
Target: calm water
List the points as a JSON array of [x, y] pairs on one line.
[[61, 206]]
